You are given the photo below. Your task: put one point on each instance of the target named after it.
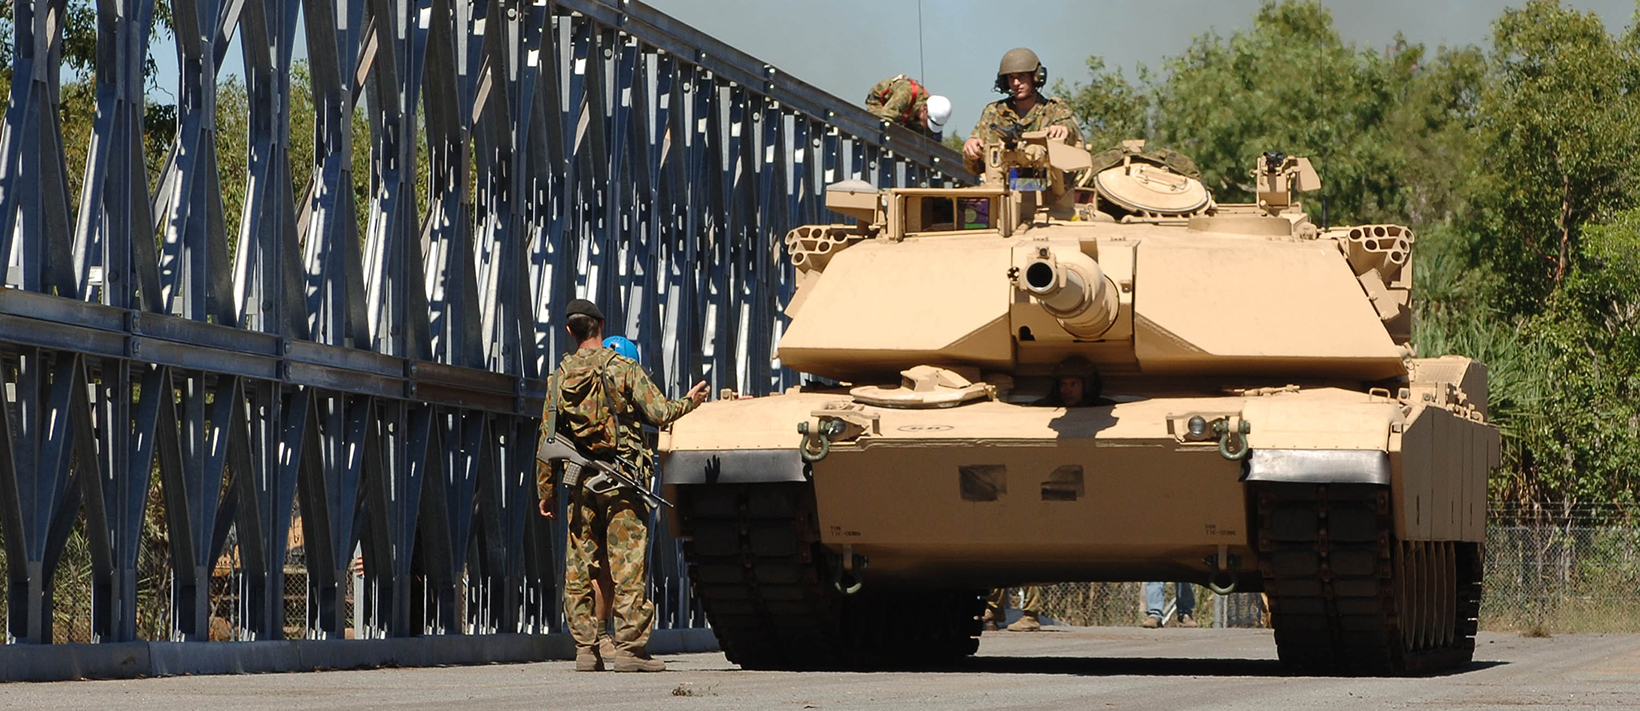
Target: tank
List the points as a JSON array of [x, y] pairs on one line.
[[1263, 424]]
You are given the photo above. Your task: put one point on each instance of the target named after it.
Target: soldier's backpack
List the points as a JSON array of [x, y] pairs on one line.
[[592, 420]]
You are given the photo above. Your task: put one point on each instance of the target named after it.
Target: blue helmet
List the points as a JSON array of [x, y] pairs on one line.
[[623, 346]]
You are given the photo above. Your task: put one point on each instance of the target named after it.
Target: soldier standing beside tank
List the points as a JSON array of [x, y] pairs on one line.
[[1030, 609], [1020, 76], [1185, 597], [601, 400], [902, 100]]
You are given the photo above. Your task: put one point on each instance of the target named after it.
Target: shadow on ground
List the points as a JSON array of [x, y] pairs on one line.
[[1153, 666]]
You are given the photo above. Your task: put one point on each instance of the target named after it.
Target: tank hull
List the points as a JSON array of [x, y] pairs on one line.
[[1005, 511], [958, 500], [1002, 493]]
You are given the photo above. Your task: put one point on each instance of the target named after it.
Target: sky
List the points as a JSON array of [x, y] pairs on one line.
[[845, 46]]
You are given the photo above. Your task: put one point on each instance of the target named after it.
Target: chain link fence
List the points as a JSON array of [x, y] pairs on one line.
[[1562, 568], [229, 611], [1123, 604], [1553, 567], [1549, 568]]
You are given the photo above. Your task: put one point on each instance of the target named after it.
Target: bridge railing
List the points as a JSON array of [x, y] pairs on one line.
[[181, 386]]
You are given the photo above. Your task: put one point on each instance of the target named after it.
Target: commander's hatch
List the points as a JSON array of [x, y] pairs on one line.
[[1133, 184]]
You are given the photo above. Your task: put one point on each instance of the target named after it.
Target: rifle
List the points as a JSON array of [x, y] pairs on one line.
[[606, 476]]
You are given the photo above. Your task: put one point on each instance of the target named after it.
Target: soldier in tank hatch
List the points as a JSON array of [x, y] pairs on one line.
[[1020, 77], [1076, 384], [600, 400]]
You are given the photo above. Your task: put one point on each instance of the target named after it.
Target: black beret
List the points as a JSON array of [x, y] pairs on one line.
[[583, 307]]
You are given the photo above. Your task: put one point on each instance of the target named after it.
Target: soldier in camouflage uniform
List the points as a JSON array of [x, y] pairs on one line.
[[1020, 76], [903, 100], [1030, 609], [601, 400]]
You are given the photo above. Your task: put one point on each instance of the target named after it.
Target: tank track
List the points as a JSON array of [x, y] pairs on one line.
[[1346, 597], [764, 580]]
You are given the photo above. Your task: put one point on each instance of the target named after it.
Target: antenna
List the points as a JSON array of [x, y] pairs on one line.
[[922, 67]]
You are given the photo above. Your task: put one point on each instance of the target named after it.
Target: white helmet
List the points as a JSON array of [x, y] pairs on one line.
[[939, 111]]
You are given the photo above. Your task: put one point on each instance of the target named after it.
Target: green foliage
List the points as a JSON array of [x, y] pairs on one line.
[[1452, 318], [232, 150], [1289, 84], [1109, 108], [1549, 164], [1431, 127], [1581, 443], [1388, 131], [1557, 136], [1511, 162]]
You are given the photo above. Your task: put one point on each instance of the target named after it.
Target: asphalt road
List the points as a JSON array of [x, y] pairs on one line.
[[1073, 668]]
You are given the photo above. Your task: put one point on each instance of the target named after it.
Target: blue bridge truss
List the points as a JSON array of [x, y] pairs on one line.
[[383, 387]]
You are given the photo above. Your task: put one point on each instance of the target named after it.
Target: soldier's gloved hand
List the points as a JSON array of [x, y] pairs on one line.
[[697, 393], [974, 145]]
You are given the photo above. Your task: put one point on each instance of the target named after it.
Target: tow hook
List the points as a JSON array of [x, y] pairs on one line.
[[1232, 562], [848, 567], [816, 442], [1222, 429]]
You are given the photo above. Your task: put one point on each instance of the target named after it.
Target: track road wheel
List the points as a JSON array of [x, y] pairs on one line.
[[765, 582], [1346, 597]]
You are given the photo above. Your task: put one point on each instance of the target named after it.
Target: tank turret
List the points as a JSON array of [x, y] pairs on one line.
[[1123, 258]]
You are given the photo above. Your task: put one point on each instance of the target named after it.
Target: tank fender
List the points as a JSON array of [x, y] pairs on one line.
[[733, 466], [1318, 466]]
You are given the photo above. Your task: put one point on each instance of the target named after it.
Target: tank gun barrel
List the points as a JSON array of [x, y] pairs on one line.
[[1073, 289]]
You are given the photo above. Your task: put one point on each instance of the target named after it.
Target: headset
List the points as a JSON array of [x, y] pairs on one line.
[[1038, 81]]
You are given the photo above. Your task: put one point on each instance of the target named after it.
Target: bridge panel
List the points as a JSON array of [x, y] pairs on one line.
[[366, 352]]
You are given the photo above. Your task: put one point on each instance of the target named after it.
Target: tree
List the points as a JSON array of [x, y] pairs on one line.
[[1109, 109], [1289, 84], [1579, 442], [1432, 126], [78, 96], [1529, 279], [1556, 141]]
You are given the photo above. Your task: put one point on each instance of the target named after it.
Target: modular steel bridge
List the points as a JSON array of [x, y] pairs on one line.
[[382, 389]]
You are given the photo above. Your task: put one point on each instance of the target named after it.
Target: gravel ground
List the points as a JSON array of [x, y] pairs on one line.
[[1060, 667]]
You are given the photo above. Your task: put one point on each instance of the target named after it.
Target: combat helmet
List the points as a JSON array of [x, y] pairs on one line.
[[1075, 367], [1078, 367], [1020, 59]]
